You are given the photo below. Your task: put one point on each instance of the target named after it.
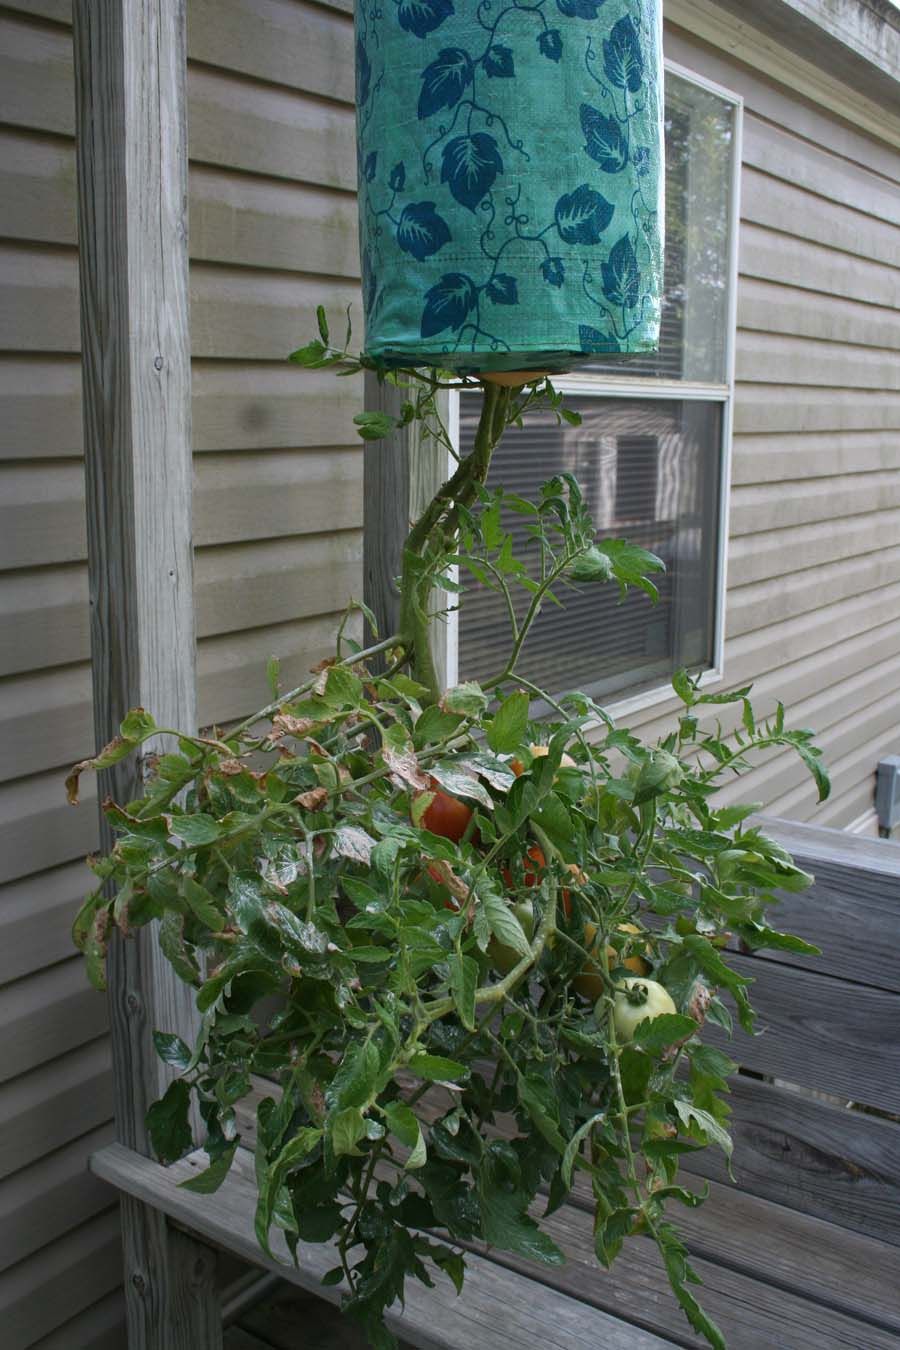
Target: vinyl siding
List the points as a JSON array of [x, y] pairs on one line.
[[278, 509], [278, 514]]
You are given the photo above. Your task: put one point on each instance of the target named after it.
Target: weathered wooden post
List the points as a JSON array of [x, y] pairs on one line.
[[401, 475], [130, 71]]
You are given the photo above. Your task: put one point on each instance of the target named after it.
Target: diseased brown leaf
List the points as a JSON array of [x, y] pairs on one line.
[[288, 725], [230, 767], [461, 893], [405, 766], [351, 842], [312, 799]]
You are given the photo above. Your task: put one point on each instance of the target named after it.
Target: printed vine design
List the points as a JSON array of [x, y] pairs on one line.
[[476, 142], [608, 143], [580, 218]]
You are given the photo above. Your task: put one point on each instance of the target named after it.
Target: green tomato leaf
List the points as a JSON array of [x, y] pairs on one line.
[[202, 904], [503, 924], [466, 700], [701, 1125], [506, 729], [463, 983], [573, 1147], [172, 1050], [655, 1034], [346, 1129], [437, 1069], [168, 1124], [205, 1183], [196, 830]]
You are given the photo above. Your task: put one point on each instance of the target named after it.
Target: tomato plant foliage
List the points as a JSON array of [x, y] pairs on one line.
[[420, 1098]]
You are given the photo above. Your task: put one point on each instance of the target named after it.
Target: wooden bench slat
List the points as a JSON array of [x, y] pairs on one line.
[[776, 1245], [856, 1275], [748, 1305], [820, 1033], [499, 1308], [853, 910], [838, 1165], [750, 1313]]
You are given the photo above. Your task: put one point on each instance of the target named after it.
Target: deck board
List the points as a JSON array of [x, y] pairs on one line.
[[499, 1309]]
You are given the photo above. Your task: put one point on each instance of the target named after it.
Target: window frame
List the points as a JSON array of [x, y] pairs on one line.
[[602, 385]]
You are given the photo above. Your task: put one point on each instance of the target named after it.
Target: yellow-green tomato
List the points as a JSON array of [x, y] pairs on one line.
[[637, 998], [504, 958]]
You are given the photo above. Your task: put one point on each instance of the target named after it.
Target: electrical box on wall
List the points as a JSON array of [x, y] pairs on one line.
[[887, 792]]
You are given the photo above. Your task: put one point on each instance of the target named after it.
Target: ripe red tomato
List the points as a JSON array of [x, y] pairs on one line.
[[534, 863], [438, 812]]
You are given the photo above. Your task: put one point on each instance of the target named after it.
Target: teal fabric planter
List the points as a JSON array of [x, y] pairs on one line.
[[510, 180]]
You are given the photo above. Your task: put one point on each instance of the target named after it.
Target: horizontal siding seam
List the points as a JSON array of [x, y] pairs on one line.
[[753, 115]]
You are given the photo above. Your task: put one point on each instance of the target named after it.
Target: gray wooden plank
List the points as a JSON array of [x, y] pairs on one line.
[[238, 1338], [132, 194], [401, 475], [289, 1314], [853, 910], [820, 1033], [839, 1165], [824, 1262], [750, 1313], [499, 1308]]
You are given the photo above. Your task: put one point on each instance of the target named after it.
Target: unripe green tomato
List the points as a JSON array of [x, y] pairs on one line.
[[630, 1008]]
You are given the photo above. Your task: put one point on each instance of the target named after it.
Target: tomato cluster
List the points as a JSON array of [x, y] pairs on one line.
[[442, 814]]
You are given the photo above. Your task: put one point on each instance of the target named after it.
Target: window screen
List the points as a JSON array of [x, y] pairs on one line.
[[649, 472]]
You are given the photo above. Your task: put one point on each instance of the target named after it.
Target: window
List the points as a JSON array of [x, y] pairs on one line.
[[651, 453]]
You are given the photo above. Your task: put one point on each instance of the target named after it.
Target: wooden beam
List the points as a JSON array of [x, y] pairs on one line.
[[400, 476], [130, 75], [132, 199]]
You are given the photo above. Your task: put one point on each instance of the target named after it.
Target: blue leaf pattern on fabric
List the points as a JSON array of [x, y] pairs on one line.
[[579, 9], [553, 270], [445, 81], [622, 58], [423, 16], [363, 75], [594, 341], [503, 289], [498, 61], [478, 240], [448, 304], [583, 215], [550, 44], [604, 139], [621, 275], [470, 165], [421, 231]]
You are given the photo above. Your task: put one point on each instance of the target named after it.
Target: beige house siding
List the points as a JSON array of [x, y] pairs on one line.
[[279, 509]]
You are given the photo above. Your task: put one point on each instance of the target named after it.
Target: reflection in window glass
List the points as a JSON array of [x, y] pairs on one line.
[[649, 470], [699, 150]]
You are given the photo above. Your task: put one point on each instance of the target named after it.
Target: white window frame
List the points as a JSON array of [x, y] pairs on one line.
[[602, 384]]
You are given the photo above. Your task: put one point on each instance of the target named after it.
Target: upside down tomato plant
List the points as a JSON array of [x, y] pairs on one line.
[[473, 954]]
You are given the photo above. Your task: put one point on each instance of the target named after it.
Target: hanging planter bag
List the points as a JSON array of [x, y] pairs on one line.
[[510, 180]]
